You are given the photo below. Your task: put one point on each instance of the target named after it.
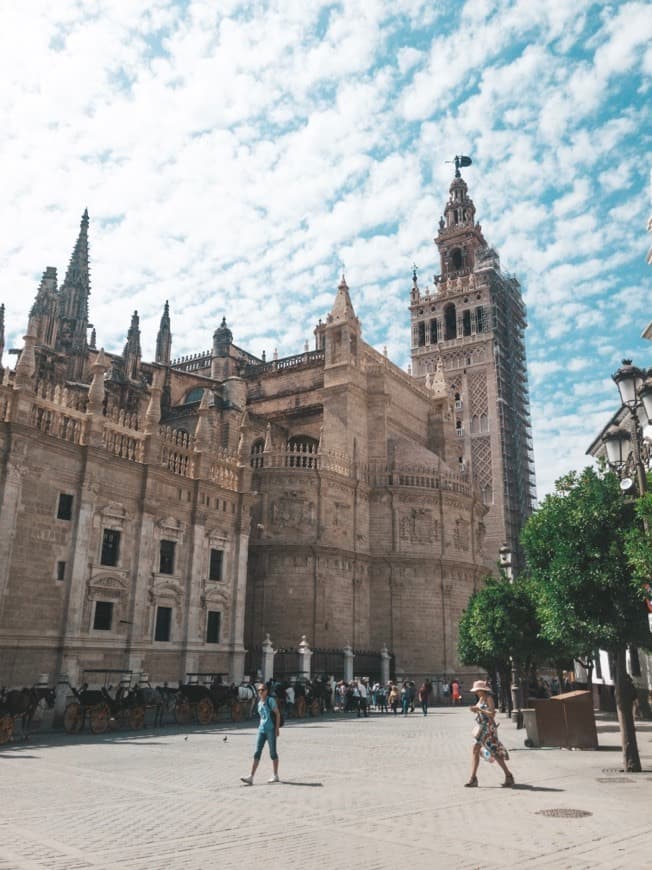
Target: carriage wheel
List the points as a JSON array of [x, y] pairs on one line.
[[136, 718], [315, 707], [6, 729], [236, 711], [205, 711], [99, 718], [73, 718], [300, 707], [182, 712]]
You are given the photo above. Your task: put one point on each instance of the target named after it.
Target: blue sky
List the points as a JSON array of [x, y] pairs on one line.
[[234, 156]]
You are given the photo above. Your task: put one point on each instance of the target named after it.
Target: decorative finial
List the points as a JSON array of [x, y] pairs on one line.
[[459, 161], [414, 274]]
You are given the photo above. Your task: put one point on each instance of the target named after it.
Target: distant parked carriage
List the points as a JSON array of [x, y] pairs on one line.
[[100, 708], [205, 700]]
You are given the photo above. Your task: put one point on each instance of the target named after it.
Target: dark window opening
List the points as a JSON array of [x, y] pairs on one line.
[[466, 322], [456, 258], [598, 666], [215, 565], [103, 615], [163, 623], [421, 328], [634, 662], [64, 511], [110, 547], [450, 322], [479, 319], [61, 570], [434, 331], [213, 626], [225, 436], [166, 562]]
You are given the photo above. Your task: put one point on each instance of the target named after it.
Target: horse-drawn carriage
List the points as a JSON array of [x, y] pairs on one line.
[[204, 699], [310, 696], [102, 709], [21, 704]]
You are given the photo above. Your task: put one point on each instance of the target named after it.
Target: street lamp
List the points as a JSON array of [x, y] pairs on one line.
[[628, 450], [505, 557]]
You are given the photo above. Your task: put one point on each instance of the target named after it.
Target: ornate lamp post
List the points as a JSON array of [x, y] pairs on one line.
[[505, 557], [628, 450]]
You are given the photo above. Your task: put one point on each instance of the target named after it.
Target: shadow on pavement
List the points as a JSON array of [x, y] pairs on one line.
[[306, 784], [521, 786]]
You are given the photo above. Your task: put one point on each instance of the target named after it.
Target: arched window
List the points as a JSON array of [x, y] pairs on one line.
[[456, 259], [422, 333], [434, 331], [475, 426], [257, 458], [484, 423], [194, 395], [450, 322], [302, 451], [479, 319]]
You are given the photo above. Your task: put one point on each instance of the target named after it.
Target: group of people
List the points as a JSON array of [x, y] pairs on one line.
[[361, 695], [486, 744]]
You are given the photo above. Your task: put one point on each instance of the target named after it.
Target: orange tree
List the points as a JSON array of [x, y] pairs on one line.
[[578, 548]]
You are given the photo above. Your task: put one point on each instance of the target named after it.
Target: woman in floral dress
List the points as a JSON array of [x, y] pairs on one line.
[[485, 733]]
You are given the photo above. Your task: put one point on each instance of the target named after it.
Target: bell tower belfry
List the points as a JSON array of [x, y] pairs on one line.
[[471, 321]]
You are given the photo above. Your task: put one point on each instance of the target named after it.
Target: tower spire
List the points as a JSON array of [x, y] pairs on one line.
[[342, 307], [72, 314], [132, 353], [164, 338]]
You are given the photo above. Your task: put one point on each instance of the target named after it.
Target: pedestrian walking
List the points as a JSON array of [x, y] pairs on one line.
[[268, 730], [394, 698], [424, 695], [405, 697], [456, 692], [486, 743]]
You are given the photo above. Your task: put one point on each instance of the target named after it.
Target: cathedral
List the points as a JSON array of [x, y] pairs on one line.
[[166, 516]]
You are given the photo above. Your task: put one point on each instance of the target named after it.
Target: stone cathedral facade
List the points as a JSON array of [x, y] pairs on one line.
[[165, 516]]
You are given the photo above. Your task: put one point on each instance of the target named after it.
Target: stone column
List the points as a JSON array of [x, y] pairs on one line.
[[268, 659], [349, 655], [384, 665], [305, 654]]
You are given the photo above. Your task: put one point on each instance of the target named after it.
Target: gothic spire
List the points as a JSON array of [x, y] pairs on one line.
[[132, 353], [342, 307], [164, 338], [78, 274]]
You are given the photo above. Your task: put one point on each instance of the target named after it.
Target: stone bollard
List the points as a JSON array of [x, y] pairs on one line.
[[305, 654], [349, 655], [385, 659], [268, 659]]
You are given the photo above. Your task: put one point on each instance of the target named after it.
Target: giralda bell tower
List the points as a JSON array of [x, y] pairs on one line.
[[471, 323]]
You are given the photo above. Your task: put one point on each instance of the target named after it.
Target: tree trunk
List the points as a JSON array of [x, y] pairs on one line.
[[624, 690], [505, 691]]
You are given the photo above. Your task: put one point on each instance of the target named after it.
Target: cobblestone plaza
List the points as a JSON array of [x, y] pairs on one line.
[[382, 792]]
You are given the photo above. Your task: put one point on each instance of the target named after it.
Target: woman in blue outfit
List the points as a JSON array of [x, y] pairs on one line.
[[270, 722]]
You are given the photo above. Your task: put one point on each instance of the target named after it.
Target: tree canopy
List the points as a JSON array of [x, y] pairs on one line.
[[576, 548]]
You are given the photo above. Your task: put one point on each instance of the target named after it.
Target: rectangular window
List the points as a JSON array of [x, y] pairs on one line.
[[434, 332], [61, 570], [110, 547], [213, 626], [166, 562], [479, 319], [64, 510], [422, 333], [215, 566], [634, 662], [598, 666], [163, 623], [103, 615]]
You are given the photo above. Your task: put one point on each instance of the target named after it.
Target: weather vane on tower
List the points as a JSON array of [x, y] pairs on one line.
[[459, 161]]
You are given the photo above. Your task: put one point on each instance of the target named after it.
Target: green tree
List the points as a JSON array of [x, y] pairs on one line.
[[589, 596], [499, 625]]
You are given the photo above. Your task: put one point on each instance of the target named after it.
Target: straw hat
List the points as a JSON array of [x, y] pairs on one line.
[[480, 686]]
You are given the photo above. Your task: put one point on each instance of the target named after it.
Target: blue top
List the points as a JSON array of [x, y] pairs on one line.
[[267, 719]]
